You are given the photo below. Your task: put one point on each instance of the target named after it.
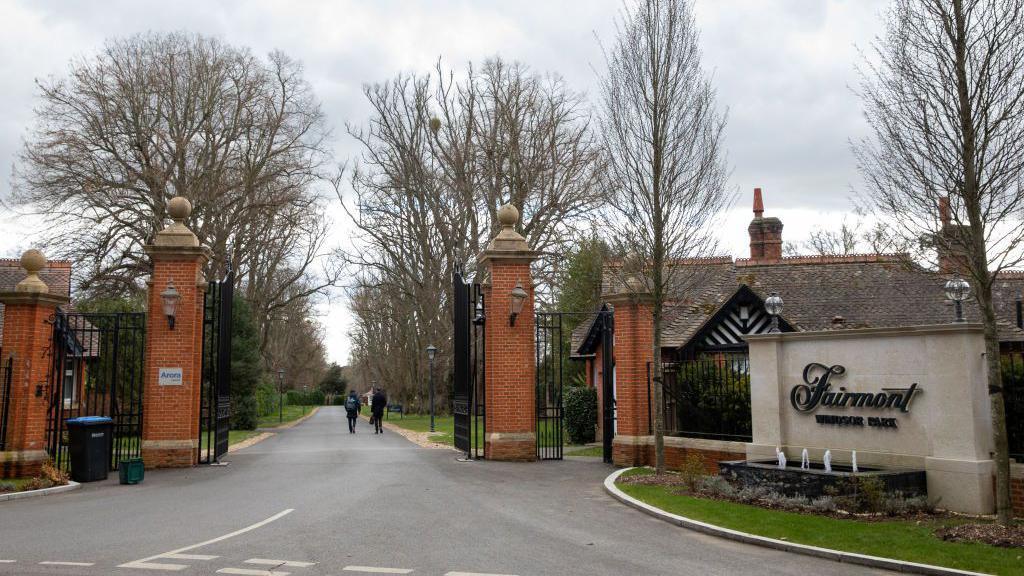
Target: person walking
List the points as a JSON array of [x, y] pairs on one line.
[[352, 409], [377, 406]]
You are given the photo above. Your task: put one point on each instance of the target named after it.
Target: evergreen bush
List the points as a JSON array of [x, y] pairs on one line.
[[580, 414]]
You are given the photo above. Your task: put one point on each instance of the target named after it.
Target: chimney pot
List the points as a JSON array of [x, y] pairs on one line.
[[944, 214], [758, 203]]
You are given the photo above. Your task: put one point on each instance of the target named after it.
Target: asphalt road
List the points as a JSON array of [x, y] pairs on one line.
[[314, 500]]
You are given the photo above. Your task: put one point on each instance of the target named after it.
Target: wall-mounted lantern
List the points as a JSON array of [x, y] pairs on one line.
[[170, 297], [773, 305], [518, 296], [957, 290]]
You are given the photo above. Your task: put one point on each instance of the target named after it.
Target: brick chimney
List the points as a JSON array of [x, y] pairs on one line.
[[765, 233]]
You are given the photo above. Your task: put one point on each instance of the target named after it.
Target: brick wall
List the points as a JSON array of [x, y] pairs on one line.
[[633, 351], [170, 429], [511, 365], [27, 339]]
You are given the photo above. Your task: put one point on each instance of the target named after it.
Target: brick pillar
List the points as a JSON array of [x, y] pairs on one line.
[[634, 351], [27, 338], [510, 369], [170, 405]]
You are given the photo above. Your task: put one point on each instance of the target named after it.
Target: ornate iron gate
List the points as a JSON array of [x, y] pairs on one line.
[[551, 353], [556, 367], [215, 405], [5, 398], [468, 354], [97, 370]]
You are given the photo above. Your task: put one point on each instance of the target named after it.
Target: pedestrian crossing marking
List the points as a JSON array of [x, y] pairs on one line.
[[249, 572], [376, 570], [154, 566], [288, 563], [190, 556]]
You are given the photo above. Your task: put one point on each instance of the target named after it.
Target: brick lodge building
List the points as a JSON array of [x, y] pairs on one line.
[[706, 382]]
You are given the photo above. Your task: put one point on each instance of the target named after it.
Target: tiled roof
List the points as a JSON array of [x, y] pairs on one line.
[[867, 290], [56, 274]]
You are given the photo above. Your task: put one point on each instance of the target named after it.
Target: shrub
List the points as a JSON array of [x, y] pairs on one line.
[[580, 414], [7, 487], [693, 470], [717, 486]]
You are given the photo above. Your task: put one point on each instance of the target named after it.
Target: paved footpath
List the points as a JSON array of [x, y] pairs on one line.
[[315, 500]]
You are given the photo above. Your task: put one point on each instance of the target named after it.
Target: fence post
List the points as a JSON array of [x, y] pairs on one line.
[[634, 350], [27, 338], [172, 389], [510, 369]]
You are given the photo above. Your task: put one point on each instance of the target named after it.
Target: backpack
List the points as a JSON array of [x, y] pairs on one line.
[[351, 404]]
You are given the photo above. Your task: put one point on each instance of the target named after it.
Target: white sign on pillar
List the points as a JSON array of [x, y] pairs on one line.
[[169, 376]]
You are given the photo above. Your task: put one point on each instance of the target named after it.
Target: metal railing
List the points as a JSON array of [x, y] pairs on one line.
[[1012, 362], [707, 395]]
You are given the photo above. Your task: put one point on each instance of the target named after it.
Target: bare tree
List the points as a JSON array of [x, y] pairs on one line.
[[844, 240], [153, 116], [944, 96], [439, 156], [666, 166]]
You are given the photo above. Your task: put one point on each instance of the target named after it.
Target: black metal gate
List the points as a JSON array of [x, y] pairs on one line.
[[97, 370], [556, 368], [551, 354], [215, 405], [468, 350], [5, 398]]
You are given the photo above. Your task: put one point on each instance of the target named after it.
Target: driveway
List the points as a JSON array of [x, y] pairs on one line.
[[314, 500]]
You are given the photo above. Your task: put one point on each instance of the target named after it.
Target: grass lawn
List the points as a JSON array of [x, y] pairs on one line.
[[589, 451], [19, 484], [291, 413], [444, 426], [235, 436], [900, 539]]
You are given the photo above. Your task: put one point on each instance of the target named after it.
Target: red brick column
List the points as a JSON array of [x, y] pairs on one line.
[[510, 369], [170, 410], [634, 341], [27, 338]]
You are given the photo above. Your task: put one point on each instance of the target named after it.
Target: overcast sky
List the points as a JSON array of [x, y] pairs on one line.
[[782, 68]]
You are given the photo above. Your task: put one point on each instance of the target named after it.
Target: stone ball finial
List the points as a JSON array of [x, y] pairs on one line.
[[32, 261], [508, 215], [179, 208]]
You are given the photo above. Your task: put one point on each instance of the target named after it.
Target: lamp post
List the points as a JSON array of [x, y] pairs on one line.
[[280, 394], [773, 305], [431, 352], [957, 290]]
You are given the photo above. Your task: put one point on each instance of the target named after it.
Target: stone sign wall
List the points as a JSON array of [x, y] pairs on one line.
[[913, 398]]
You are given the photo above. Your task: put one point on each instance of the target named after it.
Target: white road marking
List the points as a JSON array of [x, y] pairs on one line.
[[142, 563], [7, 561], [57, 563], [155, 566], [288, 563], [190, 556], [474, 574], [376, 570], [248, 572]]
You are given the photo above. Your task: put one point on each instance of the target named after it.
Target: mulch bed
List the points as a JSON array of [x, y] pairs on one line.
[[992, 534]]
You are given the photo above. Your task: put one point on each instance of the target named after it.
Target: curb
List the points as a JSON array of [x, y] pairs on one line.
[[71, 485], [250, 441], [827, 553]]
